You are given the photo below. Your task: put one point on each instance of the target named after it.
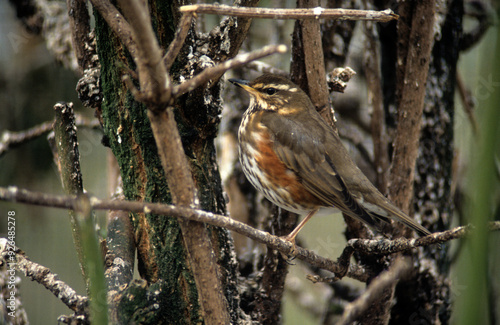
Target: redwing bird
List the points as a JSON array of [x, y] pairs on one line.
[[294, 157]]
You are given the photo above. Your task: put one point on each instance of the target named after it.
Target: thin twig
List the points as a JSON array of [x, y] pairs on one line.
[[238, 61], [13, 139], [386, 246], [176, 45], [44, 276], [313, 13], [10, 140], [384, 281]]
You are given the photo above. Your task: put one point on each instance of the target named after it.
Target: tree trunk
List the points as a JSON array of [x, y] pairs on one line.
[[162, 259]]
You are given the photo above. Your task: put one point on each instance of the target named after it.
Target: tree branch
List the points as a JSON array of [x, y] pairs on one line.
[[313, 13], [79, 21], [118, 24], [10, 140], [414, 67], [23, 196], [381, 247], [119, 259], [38, 273], [219, 69], [179, 38], [195, 234], [156, 94], [312, 48], [153, 77], [386, 280]]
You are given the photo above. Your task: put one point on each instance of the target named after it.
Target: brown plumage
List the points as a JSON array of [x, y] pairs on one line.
[[294, 157]]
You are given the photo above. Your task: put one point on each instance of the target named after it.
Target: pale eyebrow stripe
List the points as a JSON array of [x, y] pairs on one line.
[[277, 86]]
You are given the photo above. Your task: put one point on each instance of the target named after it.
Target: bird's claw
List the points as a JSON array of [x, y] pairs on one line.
[[294, 252]]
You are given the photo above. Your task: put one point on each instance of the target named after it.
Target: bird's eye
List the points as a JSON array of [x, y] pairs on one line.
[[271, 91]]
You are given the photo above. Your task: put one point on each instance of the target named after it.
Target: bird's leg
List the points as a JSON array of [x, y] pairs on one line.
[[291, 236]]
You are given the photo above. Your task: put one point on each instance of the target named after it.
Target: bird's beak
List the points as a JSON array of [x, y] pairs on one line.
[[239, 82], [244, 84]]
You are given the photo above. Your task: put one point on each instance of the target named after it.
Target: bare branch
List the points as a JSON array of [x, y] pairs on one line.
[[44, 276], [386, 246], [155, 92], [10, 140], [313, 13], [14, 139], [467, 102], [382, 247], [385, 280], [238, 61], [414, 67], [79, 21], [56, 201], [153, 78], [311, 47], [194, 233], [180, 37]]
